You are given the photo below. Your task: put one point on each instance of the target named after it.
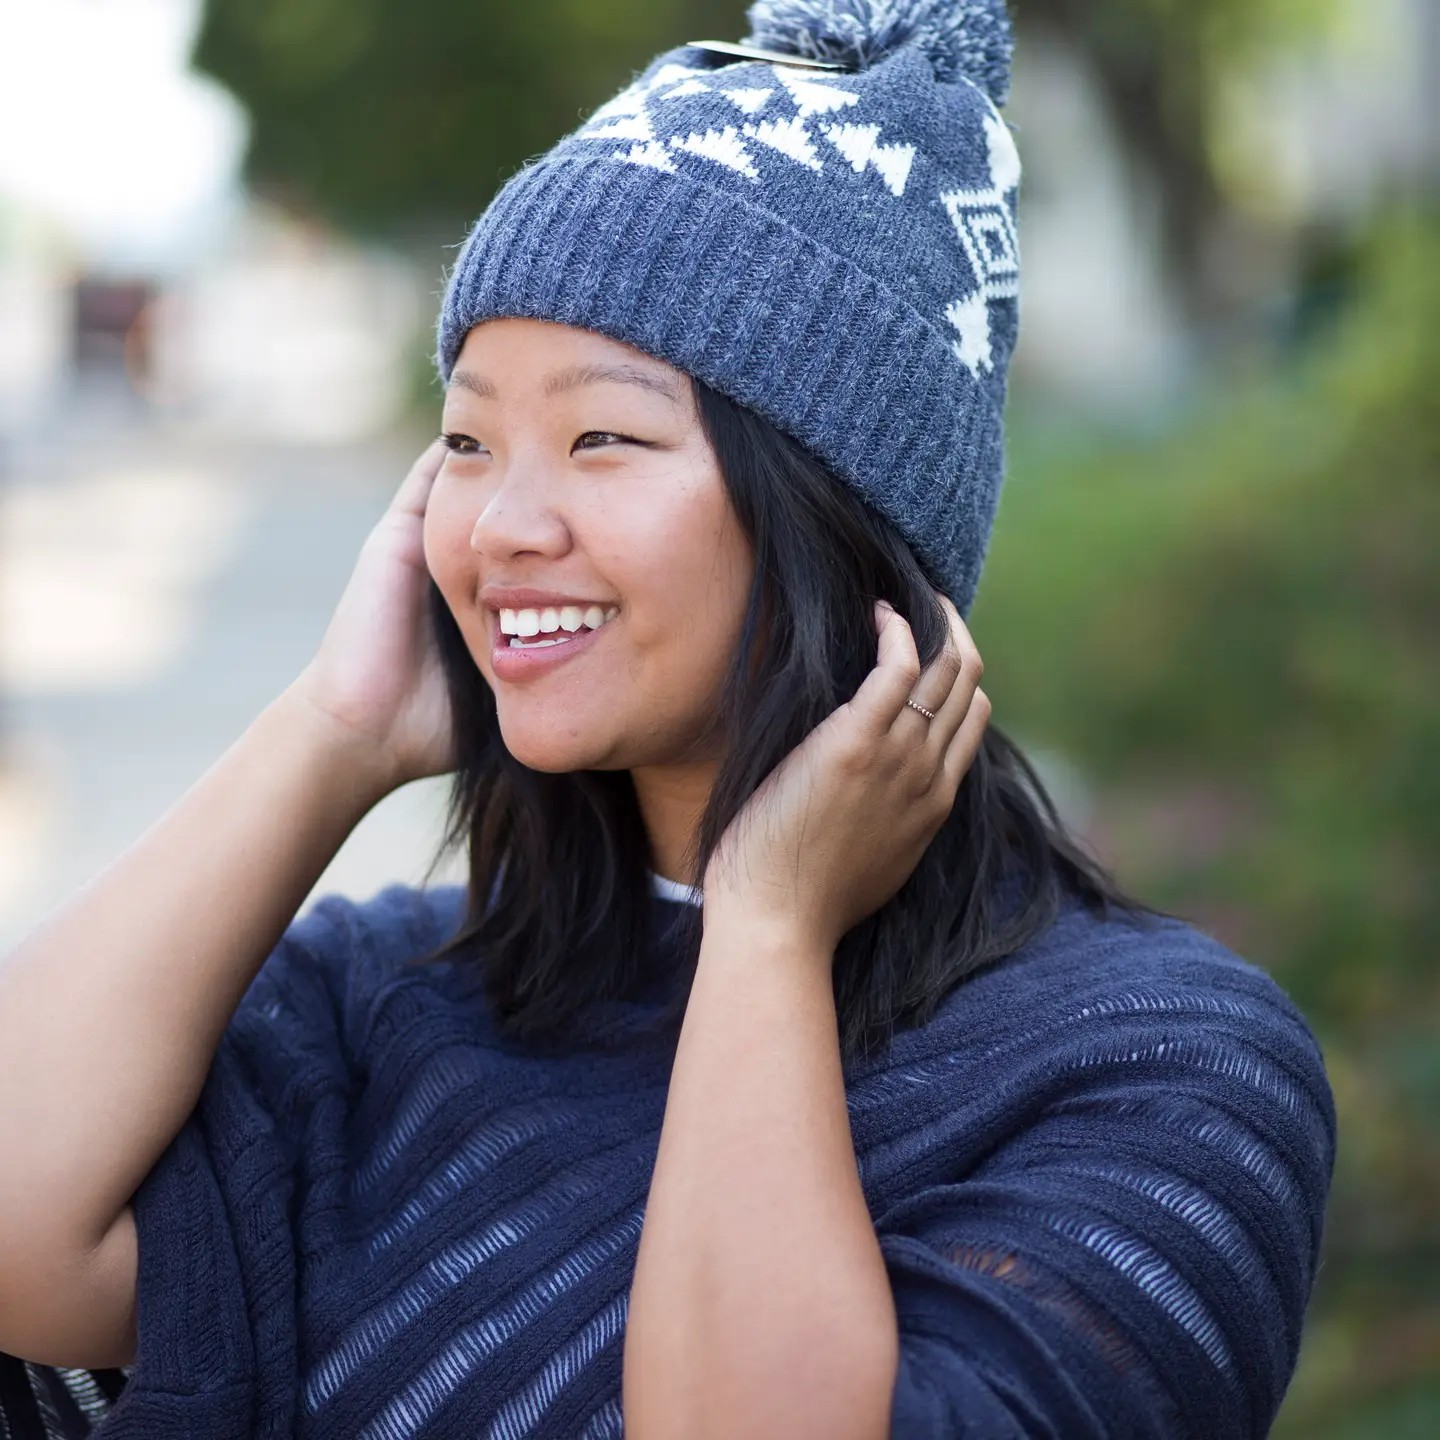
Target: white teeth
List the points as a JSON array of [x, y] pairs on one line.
[[528, 623]]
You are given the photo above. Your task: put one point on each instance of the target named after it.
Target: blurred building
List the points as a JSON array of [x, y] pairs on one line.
[[281, 332], [133, 266], [34, 316], [288, 333]]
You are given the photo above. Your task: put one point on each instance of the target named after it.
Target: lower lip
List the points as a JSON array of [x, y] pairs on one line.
[[517, 664]]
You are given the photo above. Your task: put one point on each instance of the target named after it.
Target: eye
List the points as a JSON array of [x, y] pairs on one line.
[[456, 444], [623, 439]]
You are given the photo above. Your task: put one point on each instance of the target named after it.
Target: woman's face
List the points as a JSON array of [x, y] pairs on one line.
[[564, 478]]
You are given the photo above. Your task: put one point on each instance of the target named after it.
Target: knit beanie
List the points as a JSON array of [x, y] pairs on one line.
[[819, 222]]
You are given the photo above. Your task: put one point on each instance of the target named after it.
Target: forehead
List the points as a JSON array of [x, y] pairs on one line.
[[511, 355]]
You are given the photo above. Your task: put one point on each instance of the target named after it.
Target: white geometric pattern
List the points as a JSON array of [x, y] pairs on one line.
[[747, 97], [790, 137], [825, 110], [983, 221], [859, 144], [630, 116], [723, 146]]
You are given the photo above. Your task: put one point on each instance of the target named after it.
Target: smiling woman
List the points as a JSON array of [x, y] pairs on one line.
[[784, 1067]]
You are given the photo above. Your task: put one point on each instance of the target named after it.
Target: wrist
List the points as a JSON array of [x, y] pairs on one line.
[[730, 924], [338, 753]]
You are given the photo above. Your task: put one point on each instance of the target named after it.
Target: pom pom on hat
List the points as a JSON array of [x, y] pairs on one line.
[[969, 38]]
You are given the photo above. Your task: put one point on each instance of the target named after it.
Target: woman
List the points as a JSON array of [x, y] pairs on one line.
[[783, 1068]]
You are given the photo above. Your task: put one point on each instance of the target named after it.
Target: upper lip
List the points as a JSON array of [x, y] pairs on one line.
[[502, 597]]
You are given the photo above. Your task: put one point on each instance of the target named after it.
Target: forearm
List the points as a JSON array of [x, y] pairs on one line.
[[111, 1011], [760, 1304]]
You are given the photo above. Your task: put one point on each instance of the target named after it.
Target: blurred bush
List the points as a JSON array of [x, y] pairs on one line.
[[1231, 628]]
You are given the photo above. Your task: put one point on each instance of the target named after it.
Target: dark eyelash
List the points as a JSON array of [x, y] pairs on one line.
[[452, 439]]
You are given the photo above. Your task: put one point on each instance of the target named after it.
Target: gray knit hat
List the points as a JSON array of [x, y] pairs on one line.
[[818, 222]]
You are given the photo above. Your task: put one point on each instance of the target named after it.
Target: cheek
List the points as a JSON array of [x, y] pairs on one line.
[[445, 539], [698, 571], [684, 556]]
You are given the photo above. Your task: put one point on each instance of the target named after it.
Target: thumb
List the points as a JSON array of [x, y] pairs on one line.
[[414, 491]]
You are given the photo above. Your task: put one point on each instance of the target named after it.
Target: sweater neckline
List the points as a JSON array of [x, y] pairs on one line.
[[674, 890]]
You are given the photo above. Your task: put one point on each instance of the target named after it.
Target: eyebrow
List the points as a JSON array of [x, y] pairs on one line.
[[574, 376]]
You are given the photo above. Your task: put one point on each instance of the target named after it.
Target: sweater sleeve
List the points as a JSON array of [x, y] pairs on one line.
[[1135, 1258], [217, 1216]]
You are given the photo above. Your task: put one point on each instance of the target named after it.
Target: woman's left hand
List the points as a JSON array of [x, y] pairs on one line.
[[840, 824]]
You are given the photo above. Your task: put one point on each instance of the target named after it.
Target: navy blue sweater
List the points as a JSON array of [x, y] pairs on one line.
[[1097, 1178]]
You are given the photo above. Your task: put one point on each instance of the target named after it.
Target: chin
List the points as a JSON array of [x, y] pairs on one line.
[[549, 765], [557, 755]]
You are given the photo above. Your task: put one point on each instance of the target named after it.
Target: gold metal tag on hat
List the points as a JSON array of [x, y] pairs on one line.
[[775, 57]]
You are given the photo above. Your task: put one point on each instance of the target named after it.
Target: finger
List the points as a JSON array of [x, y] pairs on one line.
[[965, 744], [963, 674], [414, 491], [884, 691], [939, 676]]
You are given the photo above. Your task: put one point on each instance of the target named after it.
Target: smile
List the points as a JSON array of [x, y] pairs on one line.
[[516, 658]]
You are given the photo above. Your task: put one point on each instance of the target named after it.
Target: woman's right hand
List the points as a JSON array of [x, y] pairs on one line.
[[377, 674]]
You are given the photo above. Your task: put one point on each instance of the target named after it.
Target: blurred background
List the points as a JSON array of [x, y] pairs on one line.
[[1209, 610]]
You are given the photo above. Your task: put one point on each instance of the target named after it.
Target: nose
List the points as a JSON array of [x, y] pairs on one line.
[[519, 519]]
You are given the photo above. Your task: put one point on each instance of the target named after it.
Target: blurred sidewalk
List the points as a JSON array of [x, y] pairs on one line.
[[157, 589]]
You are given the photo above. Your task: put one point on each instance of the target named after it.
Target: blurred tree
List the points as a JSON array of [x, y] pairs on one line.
[[399, 121]]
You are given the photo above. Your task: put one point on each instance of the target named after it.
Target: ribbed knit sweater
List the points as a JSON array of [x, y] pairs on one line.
[[1097, 1177]]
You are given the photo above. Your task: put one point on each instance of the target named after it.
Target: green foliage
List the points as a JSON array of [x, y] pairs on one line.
[[1232, 627], [401, 119]]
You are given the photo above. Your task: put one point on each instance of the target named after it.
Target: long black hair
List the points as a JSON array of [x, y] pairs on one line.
[[559, 905]]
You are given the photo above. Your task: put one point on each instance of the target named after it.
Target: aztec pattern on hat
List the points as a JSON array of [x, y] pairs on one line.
[[779, 113]]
